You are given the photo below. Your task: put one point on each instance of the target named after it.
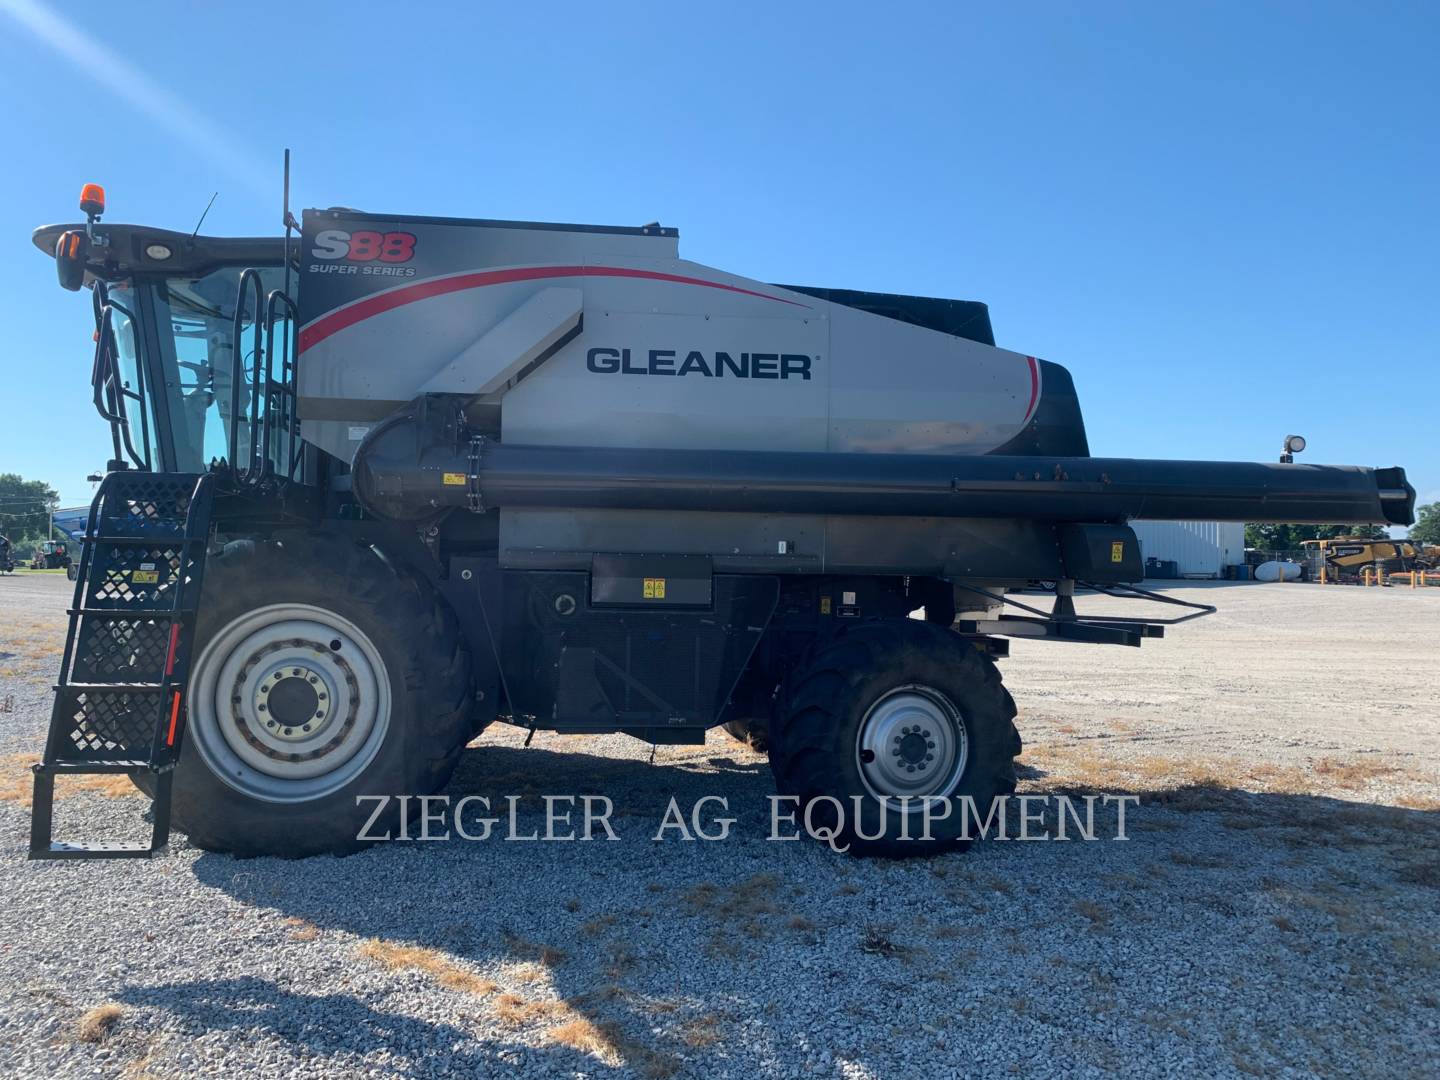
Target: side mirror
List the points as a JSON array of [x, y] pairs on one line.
[[71, 252]]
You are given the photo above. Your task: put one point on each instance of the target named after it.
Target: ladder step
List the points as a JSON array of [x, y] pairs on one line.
[[113, 688], [127, 849], [44, 846], [162, 540], [96, 767]]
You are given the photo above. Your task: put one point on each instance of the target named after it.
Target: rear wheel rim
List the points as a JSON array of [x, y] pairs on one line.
[[912, 742], [289, 703]]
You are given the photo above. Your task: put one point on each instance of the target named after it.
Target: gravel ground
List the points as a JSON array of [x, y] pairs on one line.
[[1274, 910]]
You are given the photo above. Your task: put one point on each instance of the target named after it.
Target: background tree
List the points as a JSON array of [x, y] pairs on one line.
[[1288, 537], [25, 507], [1427, 524]]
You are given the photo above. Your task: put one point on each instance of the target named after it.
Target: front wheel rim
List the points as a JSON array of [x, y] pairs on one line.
[[912, 743], [289, 703]]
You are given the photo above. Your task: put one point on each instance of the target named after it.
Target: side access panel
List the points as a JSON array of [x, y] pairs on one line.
[[637, 645]]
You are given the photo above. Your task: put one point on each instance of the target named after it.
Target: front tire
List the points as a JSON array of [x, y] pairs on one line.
[[884, 711], [321, 674], [753, 731]]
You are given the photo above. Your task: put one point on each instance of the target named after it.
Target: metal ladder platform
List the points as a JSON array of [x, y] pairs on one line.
[[120, 702]]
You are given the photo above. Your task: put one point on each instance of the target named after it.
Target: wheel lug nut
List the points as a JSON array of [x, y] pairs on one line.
[[305, 728], [931, 745], [909, 768], [260, 707]]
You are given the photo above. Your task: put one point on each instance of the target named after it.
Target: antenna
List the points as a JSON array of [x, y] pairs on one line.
[[288, 220], [202, 216]]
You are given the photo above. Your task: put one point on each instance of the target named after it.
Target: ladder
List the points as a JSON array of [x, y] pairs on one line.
[[120, 705]]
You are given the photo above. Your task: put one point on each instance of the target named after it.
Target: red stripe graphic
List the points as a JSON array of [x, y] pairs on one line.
[[1034, 388], [338, 320]]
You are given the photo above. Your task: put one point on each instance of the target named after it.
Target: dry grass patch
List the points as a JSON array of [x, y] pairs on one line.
[[301, 930], [529, 950], [876, 941], [600, 1039], [1221, 784], [1202, 862], [620, 958], [753, 897], [701, 1032], [431, 962], [1353, 773], [585, 1036], [1421, 873], [96, 1024], [1097, 915], [608, 1043], [1418, 802], [17, 782], [516, 1011], [598, 925]]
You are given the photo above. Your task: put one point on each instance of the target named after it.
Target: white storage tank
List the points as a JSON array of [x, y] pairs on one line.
[[1198, 548]]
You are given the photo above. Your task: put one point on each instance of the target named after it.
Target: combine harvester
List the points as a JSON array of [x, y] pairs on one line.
[[375, 491]]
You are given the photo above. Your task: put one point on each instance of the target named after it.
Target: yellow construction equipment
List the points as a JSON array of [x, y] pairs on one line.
[[1368, 560]]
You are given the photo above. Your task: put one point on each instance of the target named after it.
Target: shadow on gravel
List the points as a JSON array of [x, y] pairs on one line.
[[351, 1026], [577, 919], [658, 958]]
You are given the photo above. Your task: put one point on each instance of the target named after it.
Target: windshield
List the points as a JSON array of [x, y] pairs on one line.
[[194, 317]]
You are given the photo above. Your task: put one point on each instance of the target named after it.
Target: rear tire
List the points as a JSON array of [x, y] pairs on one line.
[[279, 626], [882, 710]]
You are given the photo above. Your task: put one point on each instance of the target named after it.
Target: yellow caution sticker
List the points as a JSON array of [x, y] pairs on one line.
[[144, 577], [824, 605], [1117, 551], [453, 479], [654, 588]]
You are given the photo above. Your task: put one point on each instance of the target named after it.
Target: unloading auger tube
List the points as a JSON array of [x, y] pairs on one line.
[[410, 467]]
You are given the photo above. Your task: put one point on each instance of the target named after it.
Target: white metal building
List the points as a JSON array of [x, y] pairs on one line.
[[1200, 548]]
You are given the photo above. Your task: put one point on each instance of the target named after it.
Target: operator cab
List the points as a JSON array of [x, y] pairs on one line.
[[166, 302]]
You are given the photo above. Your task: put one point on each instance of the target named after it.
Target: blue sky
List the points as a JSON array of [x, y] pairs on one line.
[[1221, 217]]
